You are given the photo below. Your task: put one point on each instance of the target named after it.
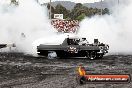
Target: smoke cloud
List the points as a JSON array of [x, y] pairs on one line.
[[27, 26], [114, 29], [24, 24]]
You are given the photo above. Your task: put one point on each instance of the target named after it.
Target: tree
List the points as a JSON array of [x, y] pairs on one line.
[[78, 5], [52, 10], [106, 11], [14, 2], [81, 17], [59, 9], [76, 11]]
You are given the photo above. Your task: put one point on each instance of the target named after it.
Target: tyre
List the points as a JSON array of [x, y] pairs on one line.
[[100, 56], [52, 55], [91, 55]]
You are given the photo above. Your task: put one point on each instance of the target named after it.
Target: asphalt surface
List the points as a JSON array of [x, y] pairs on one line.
[[26, 71]]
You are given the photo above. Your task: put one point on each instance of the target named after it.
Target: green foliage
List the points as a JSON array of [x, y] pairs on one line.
[[14, 2], [52, 8], [78, 12], [106, 11], [81, 17], [59, 9]]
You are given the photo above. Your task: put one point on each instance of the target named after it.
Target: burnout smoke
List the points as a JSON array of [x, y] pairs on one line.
[[27, 26], [114, 29], [23, 24]]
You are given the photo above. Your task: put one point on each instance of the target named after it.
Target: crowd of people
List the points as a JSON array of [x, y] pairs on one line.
[[66, 26]]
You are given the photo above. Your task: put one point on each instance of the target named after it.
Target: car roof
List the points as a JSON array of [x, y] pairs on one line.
[[74, 38]]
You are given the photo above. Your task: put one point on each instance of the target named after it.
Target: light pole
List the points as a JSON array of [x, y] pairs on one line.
[[101, 8], [50, 11], [118, 2], [118, 6]]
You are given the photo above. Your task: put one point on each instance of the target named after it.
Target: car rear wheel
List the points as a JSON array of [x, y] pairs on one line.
[[100, 55], [91, 55]]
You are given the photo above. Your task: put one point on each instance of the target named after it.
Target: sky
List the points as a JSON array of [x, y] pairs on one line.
[[45, 1], [77, 1]]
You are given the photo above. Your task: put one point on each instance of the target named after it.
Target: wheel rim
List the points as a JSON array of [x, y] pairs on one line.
[[92, 55], [50, 56], [100, 56]]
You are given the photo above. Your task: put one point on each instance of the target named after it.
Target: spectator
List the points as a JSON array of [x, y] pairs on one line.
[[65, 25]]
